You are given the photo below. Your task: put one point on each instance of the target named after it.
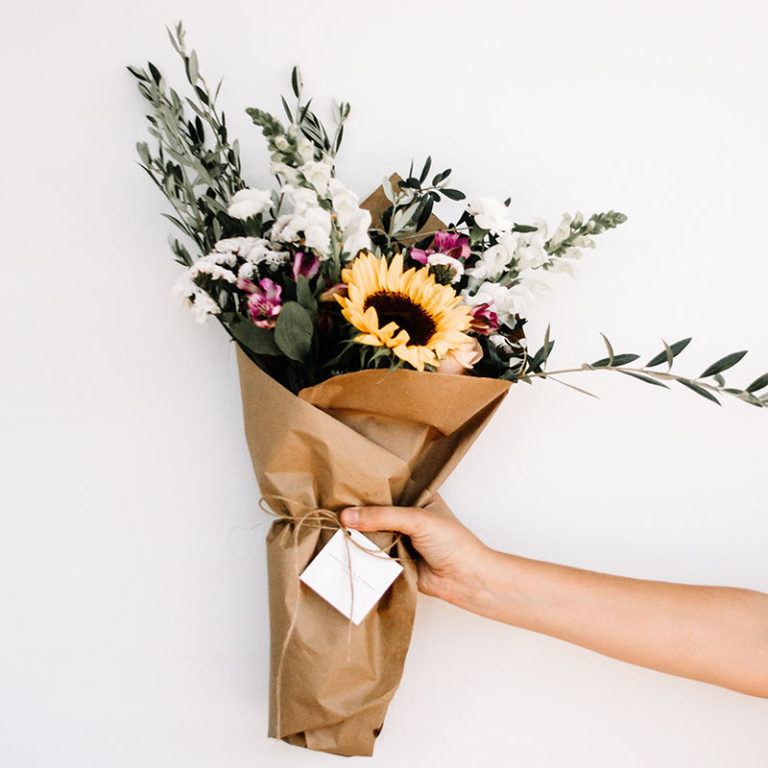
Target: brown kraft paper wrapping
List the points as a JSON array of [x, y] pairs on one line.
[[368, 438]]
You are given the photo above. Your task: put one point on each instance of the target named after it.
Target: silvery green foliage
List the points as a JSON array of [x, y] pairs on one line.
[[709, 384], [192, 161]]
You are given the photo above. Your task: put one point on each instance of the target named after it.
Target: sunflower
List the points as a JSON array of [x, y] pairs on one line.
[[407, 312]]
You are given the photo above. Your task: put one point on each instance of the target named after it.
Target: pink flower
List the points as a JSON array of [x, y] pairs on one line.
[[461, 359], [340, 289], [264, 303], [305, 265], [484, 319], [448, 243]]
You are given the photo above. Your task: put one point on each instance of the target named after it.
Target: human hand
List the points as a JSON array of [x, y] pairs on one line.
[[453, 558]]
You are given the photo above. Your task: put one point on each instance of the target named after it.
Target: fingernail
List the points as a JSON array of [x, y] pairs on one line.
[[350, 516]]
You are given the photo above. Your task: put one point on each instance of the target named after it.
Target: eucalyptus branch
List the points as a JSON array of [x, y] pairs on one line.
[[701, 384], [196, 168]]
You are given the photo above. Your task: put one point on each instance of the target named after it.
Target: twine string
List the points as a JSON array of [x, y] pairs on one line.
[[325, 520]]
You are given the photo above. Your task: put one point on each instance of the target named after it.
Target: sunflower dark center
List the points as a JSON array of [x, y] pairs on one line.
[[405, 313]]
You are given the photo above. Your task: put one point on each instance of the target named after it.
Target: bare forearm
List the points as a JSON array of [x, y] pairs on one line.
[[715, 634]]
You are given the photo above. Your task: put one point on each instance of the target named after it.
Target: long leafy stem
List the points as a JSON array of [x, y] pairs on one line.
[[709, 384]]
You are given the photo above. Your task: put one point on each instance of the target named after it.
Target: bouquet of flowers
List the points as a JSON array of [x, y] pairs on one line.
[[354, 322]]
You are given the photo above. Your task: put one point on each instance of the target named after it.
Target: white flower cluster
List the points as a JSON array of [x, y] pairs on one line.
[[220, 264], [302, 216], [521, 252], [305, 216]]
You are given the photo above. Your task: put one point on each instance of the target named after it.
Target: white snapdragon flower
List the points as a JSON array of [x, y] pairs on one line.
[[291, 175], [530, 251], [317, 229], [493, 262], [249, 202], [307, 216], [444, 260], [490, 214], [306, 149], [563, 230], [354, 236], [318, 174], [506, 302], [352, 221]]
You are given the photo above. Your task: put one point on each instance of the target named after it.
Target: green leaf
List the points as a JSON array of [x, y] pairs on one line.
[[287, 109], [155, 72], [699, 390], [643, 377], [304, 295], [723, 364], [758, 383], [296, 82], [294, 331], [615, 360], [442, 176], [425, 170], [453, 194], [260, 341], [193, 72], [673, 349]]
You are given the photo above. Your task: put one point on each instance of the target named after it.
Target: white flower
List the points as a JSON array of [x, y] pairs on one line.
[[318, 174], [317, 230], [291, 175], [530, 251], [194, 298], [562, 231], [494, 261], [306, 149], [247, 270], [490, 214], [203, 306], [226, 251], [249, 202], [352, 221], [443, 259], [205, 266], [506, 302], [354, 237], [307, 216]]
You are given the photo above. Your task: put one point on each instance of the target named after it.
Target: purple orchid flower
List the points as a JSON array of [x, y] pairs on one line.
[[484, 319], [448, 243], [264, 303], [305, 265]]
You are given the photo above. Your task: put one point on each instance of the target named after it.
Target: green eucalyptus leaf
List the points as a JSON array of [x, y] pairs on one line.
[[294, 331], [425, 170], [758, 383], [615, 360], [723, 364], [675, 349], [643, 377], [453, 194], [699, 390]]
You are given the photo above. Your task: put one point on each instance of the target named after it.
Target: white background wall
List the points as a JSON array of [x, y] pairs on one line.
[[133, 610]]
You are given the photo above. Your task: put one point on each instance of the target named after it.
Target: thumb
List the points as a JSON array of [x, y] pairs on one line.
[[407, 520]]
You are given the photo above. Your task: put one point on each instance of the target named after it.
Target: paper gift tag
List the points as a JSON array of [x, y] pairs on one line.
[[372, 574]]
